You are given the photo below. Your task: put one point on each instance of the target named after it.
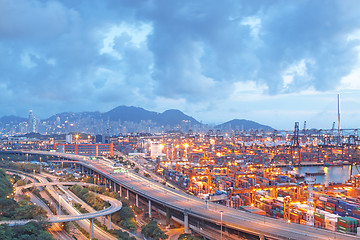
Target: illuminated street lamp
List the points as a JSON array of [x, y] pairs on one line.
[[221, 215], [186, 147]]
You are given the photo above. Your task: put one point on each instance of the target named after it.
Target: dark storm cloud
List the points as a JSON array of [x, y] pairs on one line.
[[51, 57], [289, 32], [51, 50]]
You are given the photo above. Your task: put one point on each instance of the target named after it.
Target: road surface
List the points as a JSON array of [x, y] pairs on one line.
[[232, 218]]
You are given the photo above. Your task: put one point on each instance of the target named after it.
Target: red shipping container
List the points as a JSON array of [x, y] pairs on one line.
[[322, 205], [330, 211], [356, 212], [340, 210], [329, 204], [345, 225], [267, 208]]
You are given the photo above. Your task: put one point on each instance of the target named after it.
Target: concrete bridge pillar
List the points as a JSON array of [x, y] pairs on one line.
[[114, 187], [109, 221], [120, 191], [186, 223], [149, 208], [137, 200], [127, 194], [91, 232]]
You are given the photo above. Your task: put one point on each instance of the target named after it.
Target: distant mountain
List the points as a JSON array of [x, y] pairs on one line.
[[243, 124], [174, 117], [70, 116], [129, 114], [125, 116], [12, 119]]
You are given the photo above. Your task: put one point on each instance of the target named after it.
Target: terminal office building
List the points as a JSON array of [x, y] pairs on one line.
[[86, 149]]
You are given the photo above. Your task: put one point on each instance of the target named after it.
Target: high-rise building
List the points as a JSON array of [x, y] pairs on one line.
[[31, 117], [155, 149], [99, 139], [68, 138], [31, 122]]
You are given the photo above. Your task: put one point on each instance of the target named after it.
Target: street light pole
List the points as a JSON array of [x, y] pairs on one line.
[[59, 204], [221, 215], [95, 196]]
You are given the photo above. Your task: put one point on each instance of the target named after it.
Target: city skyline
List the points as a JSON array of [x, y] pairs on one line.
[[274, 63]]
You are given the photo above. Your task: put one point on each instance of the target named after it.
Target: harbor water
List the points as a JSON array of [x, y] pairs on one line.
[[337, 174]]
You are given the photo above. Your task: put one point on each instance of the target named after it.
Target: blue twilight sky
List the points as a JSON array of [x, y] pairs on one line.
[[274, 62]]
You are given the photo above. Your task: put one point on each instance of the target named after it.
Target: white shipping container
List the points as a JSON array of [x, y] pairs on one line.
[[330, 223], [330, 227], [323, 199]]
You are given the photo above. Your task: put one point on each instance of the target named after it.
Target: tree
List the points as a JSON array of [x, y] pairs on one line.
[[31, 230], [5, 185], [126, 213], [185, 236], [90, 180], [30, 212], [125, 217], [7, 207], [20, 183], [152, 230], [83, 191], [124, 235]]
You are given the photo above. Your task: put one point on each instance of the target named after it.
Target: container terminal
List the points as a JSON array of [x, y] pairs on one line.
[[308, 177], [257, 173]]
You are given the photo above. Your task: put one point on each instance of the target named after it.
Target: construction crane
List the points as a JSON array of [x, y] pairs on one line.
[[295, 146]]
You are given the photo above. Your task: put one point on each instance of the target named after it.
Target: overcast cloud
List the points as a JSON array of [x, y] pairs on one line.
[[274, 62]]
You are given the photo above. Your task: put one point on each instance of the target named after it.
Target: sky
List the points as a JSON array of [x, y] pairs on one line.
[[273, 62]]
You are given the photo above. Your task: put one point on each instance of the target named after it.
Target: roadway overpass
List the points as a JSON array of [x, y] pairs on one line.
[[115, 206], [194, 212]]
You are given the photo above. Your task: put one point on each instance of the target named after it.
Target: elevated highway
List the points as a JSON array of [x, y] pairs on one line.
[[195, 211], [115, 204]]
